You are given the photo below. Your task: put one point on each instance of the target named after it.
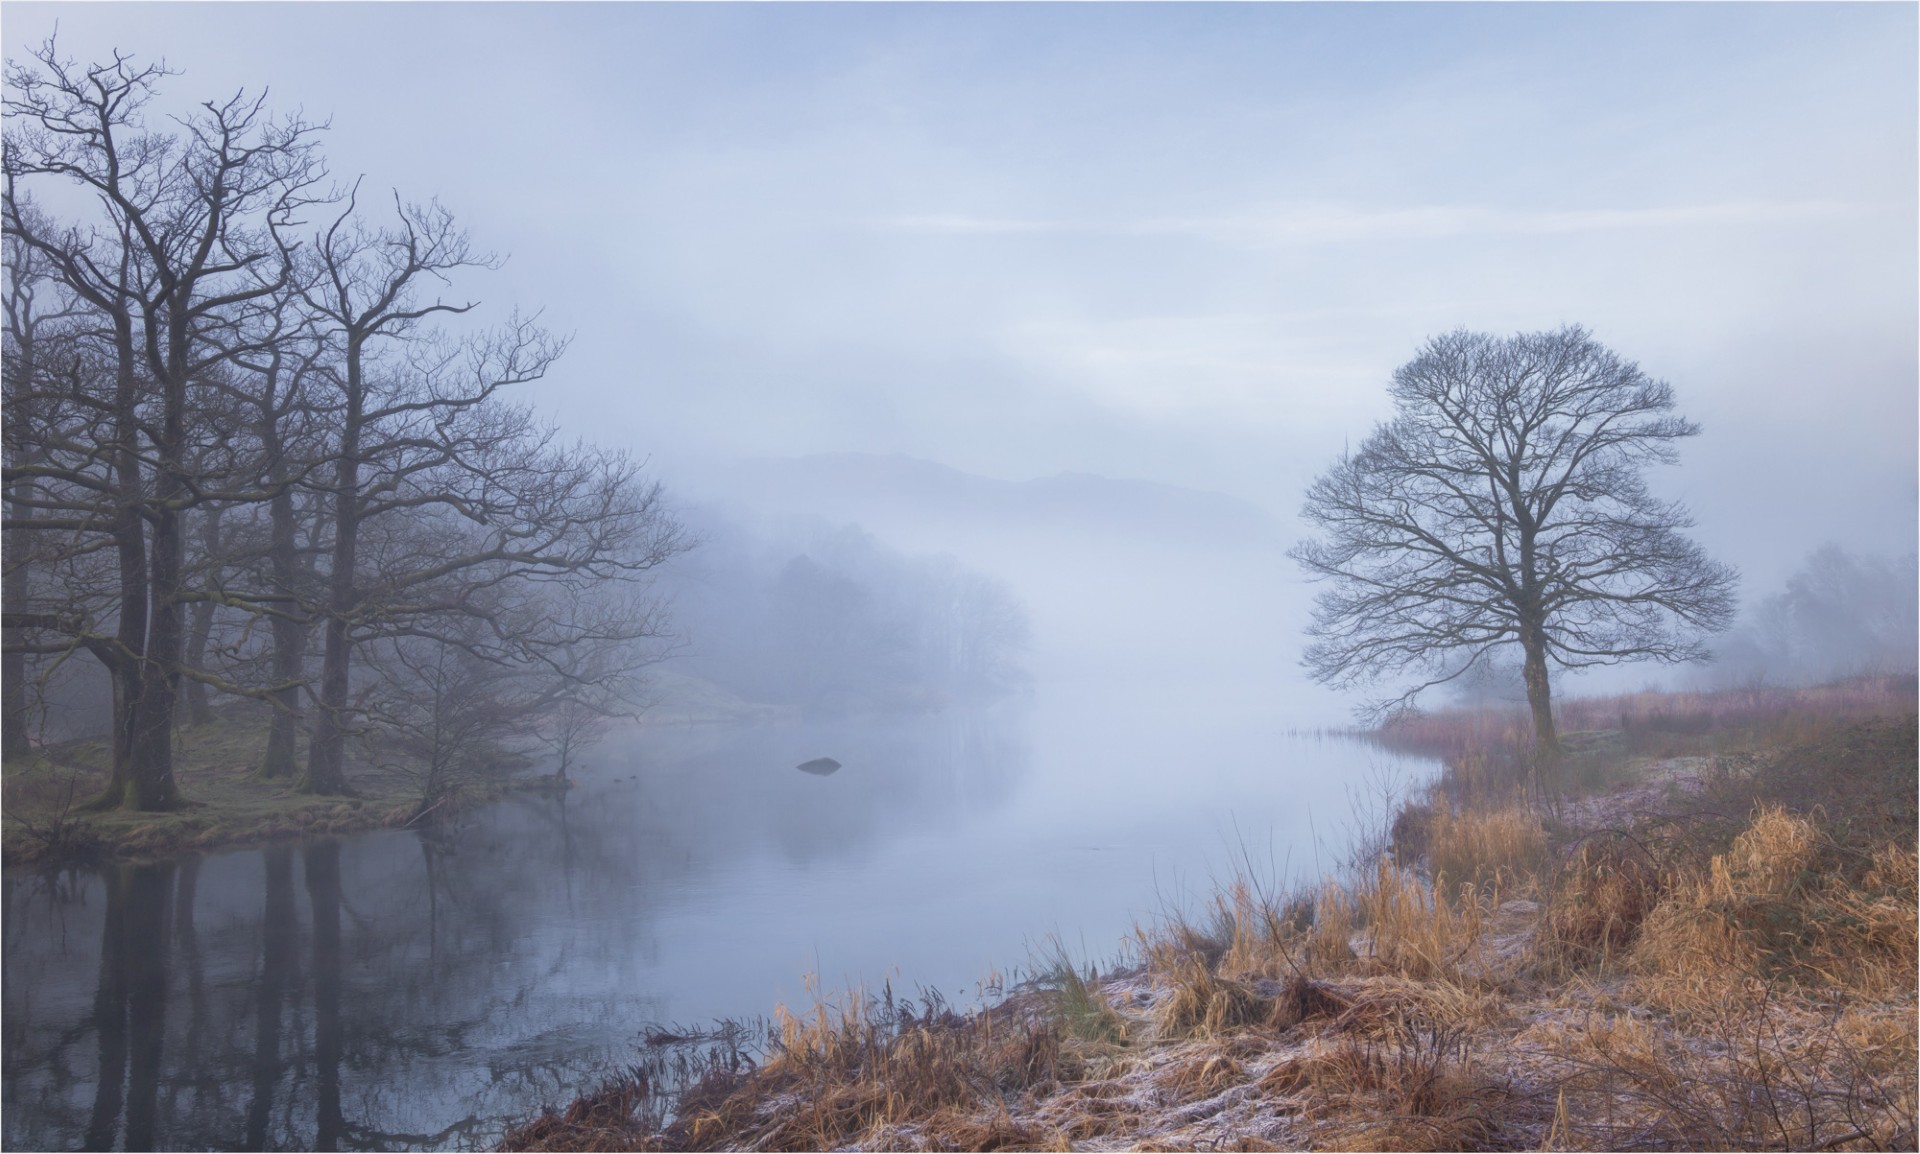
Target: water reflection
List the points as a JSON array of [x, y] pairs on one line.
[[411, 989]]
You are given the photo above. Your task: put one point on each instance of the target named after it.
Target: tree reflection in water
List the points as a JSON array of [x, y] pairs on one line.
[[419, 989]]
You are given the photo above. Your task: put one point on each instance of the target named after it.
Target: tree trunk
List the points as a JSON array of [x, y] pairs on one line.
[[130, 555], [1546, 740], [14, 738], [14, 587], [153, 786], [289, 654], [326, 758], [199, 711], [289, 632]]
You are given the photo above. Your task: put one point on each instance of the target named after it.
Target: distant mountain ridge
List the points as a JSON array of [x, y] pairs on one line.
[[894, 489]]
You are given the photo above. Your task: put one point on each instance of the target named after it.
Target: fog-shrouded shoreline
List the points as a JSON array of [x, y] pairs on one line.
[[1703, 937]]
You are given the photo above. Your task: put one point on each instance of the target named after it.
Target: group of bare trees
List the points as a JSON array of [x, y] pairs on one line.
[[253, 449], [1841, 614]]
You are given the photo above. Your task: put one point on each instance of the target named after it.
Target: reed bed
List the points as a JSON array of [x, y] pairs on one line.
[[1661, 722]]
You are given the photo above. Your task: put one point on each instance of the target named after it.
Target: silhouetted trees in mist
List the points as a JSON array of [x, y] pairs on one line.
[[252, 450], [1841, 614], [830, 619]]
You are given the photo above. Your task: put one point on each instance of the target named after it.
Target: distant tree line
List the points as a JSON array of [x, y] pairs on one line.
[[829, 619], [256, 446], [1840, 614]]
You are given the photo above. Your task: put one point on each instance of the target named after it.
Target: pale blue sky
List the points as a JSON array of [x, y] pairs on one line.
[[1187, 243]]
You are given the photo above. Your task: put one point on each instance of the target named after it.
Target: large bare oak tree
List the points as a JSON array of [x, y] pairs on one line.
[[1504, 506]]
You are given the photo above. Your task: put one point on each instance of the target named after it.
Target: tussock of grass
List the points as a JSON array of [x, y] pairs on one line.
[[1783, 904], [1081, 1009], [1419, 1090], [1203, 1076], [614, 1117], [1599, 898], [1204, 1003], [1418, 930]]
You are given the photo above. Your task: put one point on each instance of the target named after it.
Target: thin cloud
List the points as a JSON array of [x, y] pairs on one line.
[[959, 223], [1339, 223], [1333, 223]]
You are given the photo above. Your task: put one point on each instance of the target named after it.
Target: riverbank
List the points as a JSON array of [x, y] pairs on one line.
[[1708, 940], [227, 806]]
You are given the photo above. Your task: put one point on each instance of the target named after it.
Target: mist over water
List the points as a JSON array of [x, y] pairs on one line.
[[988, 362], [1158, 740], [693, 874]]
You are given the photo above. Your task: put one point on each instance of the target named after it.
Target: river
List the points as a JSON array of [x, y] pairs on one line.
[[404, 990]]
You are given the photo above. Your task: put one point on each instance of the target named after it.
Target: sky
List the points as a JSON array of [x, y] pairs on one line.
[[1185, 243]]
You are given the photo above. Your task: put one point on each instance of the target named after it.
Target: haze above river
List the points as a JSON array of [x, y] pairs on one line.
[[424, 988], [693, 874]]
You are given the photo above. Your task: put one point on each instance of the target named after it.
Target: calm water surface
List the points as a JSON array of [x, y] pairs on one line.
[[404, 990]]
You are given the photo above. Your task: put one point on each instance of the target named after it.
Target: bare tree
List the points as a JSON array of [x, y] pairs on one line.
[[439, 489], [1502, 506], [275, 369], [181, 230], [39, 357], [365, 297], [587, 672], [448, 717]]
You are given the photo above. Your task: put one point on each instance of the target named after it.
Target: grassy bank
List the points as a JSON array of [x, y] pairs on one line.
[[227, 805], [1709, 945]]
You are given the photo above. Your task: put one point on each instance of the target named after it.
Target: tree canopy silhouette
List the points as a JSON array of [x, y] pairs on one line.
[[1505, 505]]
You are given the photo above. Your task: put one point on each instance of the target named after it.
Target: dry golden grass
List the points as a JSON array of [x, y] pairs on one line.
[[1421, 1090], [1500, 849], [1203, 1075], [1414, 929], [1783, 904], [1597, 902], [614, 1117], [1204, 1004]]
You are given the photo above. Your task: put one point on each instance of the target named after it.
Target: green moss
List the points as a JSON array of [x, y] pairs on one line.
[[226, 803]]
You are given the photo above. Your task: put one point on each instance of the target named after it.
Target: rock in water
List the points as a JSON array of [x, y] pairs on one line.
[[819, 765]]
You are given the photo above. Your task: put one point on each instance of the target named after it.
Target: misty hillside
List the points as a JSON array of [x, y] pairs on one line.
[[895, 490], [831, 620]]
